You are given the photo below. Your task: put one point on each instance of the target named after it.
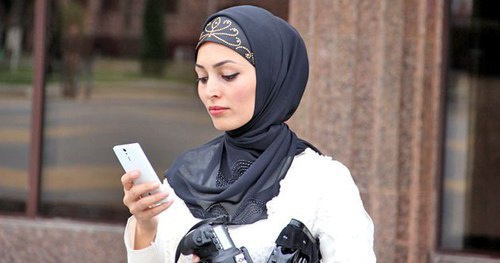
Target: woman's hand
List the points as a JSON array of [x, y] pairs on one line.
[[145, 210]]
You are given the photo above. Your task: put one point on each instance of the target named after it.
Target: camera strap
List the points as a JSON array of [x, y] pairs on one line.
[[216, 220]]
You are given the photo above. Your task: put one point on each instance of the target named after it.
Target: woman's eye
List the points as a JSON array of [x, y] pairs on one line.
[[230, 77], [202, 80]]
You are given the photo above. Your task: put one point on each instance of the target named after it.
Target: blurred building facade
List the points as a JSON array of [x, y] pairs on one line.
[[116, 25], [406, 93]]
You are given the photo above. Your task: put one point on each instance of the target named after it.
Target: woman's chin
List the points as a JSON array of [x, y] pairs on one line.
[[229, 124], [220, 126]]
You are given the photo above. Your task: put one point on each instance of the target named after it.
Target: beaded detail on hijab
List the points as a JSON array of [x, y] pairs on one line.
[[238, 169], [224, 31], [244, 215]]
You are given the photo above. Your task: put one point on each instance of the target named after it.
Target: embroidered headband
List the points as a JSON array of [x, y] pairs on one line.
[[223, 30]]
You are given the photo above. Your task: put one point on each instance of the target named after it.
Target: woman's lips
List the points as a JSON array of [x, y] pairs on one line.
[[216, 110]]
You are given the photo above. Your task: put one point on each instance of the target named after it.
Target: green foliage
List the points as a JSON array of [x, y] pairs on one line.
[[72, 14], [154, 45], [22, 76]]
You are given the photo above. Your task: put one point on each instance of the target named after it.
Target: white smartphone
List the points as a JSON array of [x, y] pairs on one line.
[[132, 157]]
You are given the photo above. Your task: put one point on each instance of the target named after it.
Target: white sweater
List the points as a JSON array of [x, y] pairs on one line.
[[317, 190]]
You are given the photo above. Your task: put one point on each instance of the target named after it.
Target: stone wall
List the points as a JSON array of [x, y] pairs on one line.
[[57, 240], [373, 102]]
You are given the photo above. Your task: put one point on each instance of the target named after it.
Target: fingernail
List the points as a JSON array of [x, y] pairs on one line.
[[134, 173]]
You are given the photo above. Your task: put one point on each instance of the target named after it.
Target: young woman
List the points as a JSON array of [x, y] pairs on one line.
[[252, 71]]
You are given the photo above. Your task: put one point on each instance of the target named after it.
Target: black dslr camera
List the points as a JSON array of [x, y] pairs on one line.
[[210, 241]]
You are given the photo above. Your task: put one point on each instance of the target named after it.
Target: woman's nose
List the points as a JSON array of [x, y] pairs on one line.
[[212, 89]]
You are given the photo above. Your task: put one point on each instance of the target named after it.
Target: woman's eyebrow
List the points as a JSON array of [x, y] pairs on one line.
[[218, 64], [222, 63]]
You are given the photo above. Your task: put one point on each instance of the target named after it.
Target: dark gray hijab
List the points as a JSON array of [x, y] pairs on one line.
[[237, 173]]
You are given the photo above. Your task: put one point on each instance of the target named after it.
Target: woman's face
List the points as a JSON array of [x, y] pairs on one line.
[[226, 85]]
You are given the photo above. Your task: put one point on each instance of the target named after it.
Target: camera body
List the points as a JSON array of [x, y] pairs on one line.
[[212, 243], [296, 244]]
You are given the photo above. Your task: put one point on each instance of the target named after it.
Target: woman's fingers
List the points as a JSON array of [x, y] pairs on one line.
[[149, 213], [147, 202], [136, 191], [143, 206], [128, 179], [142, 189]]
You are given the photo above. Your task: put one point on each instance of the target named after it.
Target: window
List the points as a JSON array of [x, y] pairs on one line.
[[95, 98], [470, 201], [15, 106]]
